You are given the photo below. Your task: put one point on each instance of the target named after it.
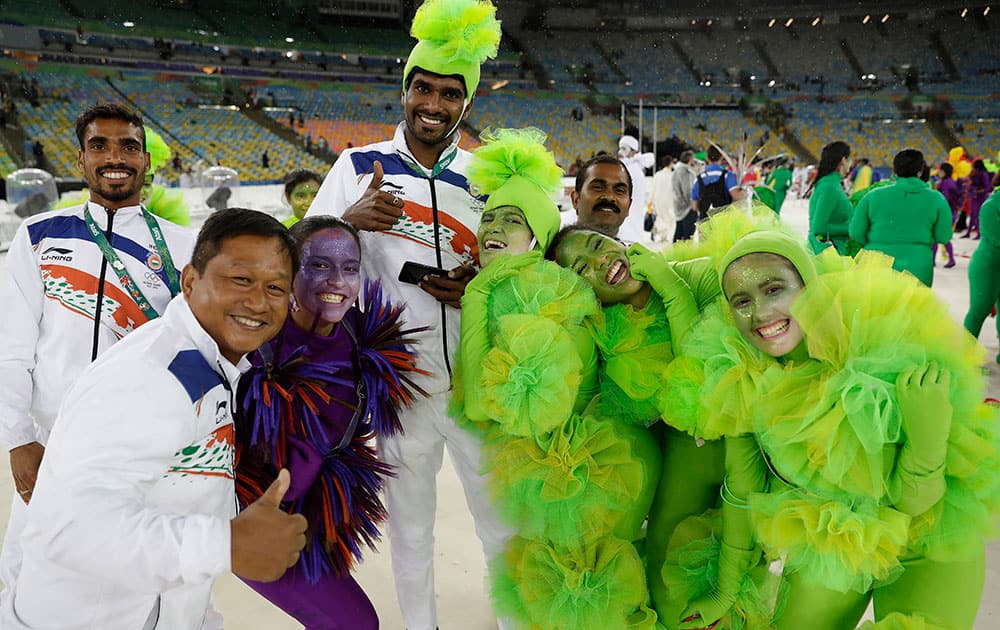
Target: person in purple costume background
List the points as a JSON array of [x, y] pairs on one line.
[[952, 191], [980, 187], [318, 392]]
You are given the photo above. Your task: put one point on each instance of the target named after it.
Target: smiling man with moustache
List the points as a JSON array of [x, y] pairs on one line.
[[603, 194], [78, 280], [410, 200]]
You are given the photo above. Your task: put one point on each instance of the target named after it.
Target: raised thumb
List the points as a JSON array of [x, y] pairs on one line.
[[276, 491], [376, 175]]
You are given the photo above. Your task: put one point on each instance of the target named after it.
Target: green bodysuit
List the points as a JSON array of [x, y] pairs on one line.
[[829, 214], [780, 180], [904, 220], [984, 268]]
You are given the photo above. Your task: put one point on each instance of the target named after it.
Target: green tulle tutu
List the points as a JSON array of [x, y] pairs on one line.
[[574, 483], [899, 621], [580, 586], [635, 350]]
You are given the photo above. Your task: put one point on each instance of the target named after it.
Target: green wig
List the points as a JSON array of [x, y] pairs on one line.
[[456, 36], [515, 169]]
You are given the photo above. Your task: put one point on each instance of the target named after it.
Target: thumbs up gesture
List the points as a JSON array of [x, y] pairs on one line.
[[375, 210], [264, 540]]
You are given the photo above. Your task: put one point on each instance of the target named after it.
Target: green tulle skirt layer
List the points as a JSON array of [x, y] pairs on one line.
[[636, 350], [579, 586], [899, 621], [578, 482]]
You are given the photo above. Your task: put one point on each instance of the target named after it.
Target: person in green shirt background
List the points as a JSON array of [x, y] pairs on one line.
[[301, 186], [780, 180], [904, 219], [829, 209], [984, 268]]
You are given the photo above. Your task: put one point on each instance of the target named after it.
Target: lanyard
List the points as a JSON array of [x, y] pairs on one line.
[[119, 267]]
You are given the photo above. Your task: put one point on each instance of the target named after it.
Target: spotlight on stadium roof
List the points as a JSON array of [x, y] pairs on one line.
[[885, 18], [772, 23], [770, 83], [965, 12], [867, 19], [708, 84], [128, 24], [986, 11], [709, 23], [788, 22], [815, 22], [216, 48], [496, 85], [753, 77], [290, 40]]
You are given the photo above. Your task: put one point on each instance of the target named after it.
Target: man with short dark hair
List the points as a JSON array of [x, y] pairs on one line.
[[410, 201], [78, 280], [904, 219], [715, 177], [134, 513], [603, 193]]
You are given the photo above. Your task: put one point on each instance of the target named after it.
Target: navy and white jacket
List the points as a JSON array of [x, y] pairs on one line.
[[129, 521]]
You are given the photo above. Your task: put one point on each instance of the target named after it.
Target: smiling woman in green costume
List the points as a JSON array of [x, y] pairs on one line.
[[867, 460], [574, 487]]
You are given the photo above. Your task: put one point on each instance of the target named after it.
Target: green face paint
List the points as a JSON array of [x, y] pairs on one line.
[[601, 261], [503, 230], [760, 289], [302, 197]]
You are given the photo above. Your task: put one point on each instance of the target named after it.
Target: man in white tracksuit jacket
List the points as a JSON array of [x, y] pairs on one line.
[[132, 516], [49, 293], [410, 201]]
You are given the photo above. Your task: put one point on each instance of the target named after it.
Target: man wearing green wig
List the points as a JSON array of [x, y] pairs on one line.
[[410, 200]]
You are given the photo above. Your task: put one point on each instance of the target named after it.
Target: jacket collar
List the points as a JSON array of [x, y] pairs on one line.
[[178, 310]]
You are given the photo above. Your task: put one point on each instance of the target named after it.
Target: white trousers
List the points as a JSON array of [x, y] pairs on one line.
[[11, 553], [411, 501]]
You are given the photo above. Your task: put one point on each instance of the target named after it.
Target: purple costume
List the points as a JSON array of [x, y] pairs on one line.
[[312, 404], [980, 187]]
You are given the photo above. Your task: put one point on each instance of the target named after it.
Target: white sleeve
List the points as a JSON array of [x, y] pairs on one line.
[[22, 296], [340, 189], [116, 436], [647, 160]]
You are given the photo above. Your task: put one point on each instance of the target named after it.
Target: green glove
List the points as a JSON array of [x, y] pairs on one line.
[[734, 564], [917, 482], [475, 342], [746, 472], [651, 267]]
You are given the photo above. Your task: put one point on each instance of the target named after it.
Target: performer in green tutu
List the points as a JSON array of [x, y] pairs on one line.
[[867, 459], [574, 486], [651, 303]]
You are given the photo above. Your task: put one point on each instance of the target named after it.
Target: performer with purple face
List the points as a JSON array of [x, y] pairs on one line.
[[319, 391]]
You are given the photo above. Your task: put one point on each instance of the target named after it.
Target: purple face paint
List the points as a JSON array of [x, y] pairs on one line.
[[329, 277]]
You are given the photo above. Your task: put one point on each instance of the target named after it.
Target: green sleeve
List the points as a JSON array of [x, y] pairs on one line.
[[746, 473], [942, 226], [917, 483], [859, 222], [473, 346], [587, 350]]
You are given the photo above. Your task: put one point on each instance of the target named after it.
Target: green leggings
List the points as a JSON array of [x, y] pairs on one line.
[[984, 289], [689, 485], [945, 593]]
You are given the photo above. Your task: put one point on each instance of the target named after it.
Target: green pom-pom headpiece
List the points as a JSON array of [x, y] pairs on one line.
[[158, 150], [515, 169], [773, 242], [456, 36]]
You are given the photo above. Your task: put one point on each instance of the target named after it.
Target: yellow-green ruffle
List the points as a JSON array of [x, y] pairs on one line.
[[547, 290], [574, 483], [581, 586], [635, 349], [900, 621], [530, 377], [843, 547]]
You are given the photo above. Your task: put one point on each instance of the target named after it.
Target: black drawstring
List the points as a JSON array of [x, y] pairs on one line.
[[100, 286]]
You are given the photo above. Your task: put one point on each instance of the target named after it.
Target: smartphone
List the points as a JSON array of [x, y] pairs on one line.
[[414, 272]]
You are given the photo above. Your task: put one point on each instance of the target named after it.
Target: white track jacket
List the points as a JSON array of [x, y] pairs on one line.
[[129, 522], [47, 303]]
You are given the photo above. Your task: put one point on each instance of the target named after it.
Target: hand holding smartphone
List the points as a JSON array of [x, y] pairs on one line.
[[414, 272]]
